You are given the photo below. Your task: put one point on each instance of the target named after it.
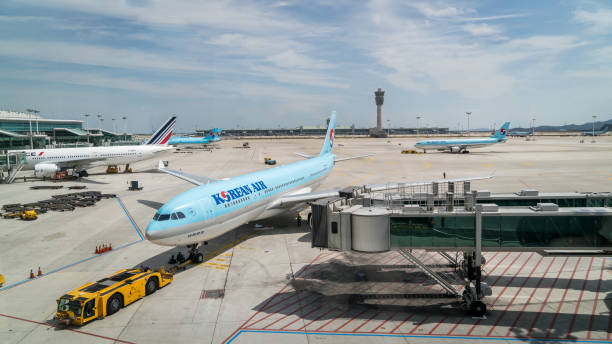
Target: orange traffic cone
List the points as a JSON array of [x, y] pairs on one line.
[[110, 247], [31, 273], [39, 271], [97, 251]]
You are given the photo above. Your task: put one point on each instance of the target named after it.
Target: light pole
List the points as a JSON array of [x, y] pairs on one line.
[[114, 128], [30, 111], [124, 127], [418, 118], [87, 126], [388, 127], [468, 113], [533, 129], [594, 116], [100, 120]]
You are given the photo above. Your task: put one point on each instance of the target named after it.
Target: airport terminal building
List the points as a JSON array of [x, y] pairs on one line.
[[17, 127]]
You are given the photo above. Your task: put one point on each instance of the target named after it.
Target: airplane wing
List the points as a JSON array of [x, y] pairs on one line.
[[77, 163], [192, 178], [394, 185], [303, 155], [291, 200], [353, 157]]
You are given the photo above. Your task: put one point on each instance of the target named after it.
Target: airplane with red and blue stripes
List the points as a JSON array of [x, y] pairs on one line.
[[46, 162]]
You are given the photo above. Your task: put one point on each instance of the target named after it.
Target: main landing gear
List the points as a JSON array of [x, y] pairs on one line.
[[195, 255], [475, 290]]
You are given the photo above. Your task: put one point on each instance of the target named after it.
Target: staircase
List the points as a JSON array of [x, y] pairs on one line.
[[428, 271], [15, 163]]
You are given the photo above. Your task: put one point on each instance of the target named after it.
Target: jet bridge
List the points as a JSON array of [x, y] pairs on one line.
[[367, 222]]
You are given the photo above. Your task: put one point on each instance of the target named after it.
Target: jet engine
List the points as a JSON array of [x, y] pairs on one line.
[[455, 149], [45, 170]]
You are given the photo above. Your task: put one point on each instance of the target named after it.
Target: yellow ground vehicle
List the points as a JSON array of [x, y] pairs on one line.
[[1, 280], [96, 300], [112, 169], [28, 215]]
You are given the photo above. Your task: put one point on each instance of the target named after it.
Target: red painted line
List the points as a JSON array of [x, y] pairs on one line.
[[494, 268], [301, 317], [274, 313], [290, 314], [348, 321], [347, 311], [547, 297], [603, 265], [365, 322], [586, 279], [500, 316], [131, 218], [402, 323], [395, 313], [319, 317], [264, 306], [550, 328], [67, 329], [384, 322], [531, 296]]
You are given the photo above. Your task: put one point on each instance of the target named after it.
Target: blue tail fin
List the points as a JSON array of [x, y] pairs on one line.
[[162, 135], [502, 132], [329, 138]]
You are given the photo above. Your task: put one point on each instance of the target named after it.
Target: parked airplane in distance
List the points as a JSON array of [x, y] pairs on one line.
[[215, 207], [45, 162], [521, 133], [603, 130], [212, 136], [461, 145]]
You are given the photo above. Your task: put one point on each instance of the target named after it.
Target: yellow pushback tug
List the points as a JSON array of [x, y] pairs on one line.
[[98, 299]]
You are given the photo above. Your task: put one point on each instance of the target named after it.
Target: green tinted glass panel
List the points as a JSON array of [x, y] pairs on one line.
[[491, 231]]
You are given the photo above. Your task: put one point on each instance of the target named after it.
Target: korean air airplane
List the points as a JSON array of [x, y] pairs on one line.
[[212, 136], [45, 162], [215, 207], [461, 145]]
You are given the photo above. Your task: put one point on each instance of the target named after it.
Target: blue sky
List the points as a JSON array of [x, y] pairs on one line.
[[289, 63]]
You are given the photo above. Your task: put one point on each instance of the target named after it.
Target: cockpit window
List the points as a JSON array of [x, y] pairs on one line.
[[164, 217], [180, 215], [174, 217], [156, 217]]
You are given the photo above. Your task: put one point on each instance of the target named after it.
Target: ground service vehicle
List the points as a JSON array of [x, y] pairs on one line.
[[96, 300], [28, 215]]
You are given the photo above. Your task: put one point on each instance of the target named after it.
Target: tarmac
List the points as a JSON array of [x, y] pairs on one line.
[[263, 283]]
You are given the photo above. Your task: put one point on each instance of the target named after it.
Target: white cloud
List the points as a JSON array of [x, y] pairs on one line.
[[94, 55], [599, 21], [437, 12], [482, 29]]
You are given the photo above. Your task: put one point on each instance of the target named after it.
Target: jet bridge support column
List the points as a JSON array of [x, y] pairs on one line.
[[475, 289]]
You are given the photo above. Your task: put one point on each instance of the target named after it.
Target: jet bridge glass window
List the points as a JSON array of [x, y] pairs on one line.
[[334, 227]]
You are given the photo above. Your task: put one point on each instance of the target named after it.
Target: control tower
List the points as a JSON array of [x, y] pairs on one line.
[[379, 97]]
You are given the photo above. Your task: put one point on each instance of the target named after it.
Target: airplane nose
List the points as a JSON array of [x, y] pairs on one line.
[[152, 233]]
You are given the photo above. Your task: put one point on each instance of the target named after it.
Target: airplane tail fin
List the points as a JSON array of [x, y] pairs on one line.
[[162, 135], [329, 137], [502, 132]]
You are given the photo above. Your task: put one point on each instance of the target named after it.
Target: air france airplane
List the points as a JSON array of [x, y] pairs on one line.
[[215, 207], [461, 145], [212, 136], [45, 162]]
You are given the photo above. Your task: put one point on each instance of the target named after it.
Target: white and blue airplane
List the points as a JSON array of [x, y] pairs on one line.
[[461, 145], [212, 136], [216, 207]]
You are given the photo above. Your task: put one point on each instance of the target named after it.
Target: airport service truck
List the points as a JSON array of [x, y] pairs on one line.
[[96, 300]]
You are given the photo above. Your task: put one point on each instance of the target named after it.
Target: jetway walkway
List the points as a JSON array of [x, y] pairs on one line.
[[11, 164], [362, 222]]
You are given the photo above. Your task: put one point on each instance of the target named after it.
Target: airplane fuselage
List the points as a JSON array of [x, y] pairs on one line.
[[186, 140], [460, 144], [89, 156], [210, 210]]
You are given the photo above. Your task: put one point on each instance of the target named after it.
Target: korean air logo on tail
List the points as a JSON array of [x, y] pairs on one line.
[[226, 196], [502, 131], [331, 138]]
